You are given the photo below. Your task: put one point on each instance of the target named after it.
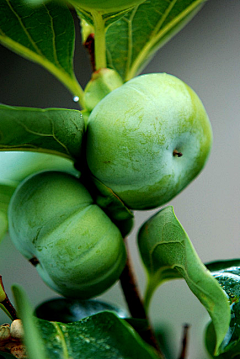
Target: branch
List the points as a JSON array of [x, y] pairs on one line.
[[135, 304], [183, 354]]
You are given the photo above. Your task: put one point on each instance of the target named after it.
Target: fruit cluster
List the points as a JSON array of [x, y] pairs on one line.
[[145, 141]]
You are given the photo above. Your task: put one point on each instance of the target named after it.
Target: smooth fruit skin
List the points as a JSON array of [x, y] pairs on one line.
[[80, 251], [106, 6], [148, 139]]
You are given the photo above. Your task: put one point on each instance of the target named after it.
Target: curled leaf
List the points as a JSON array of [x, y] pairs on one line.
[[168, 253]]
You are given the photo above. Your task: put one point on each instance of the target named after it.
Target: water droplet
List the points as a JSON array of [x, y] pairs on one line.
[[75, 98]]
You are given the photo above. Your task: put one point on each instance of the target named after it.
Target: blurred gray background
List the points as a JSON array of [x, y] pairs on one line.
[[206, 55]]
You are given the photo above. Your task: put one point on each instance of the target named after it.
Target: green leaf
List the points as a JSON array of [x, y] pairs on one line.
[[32, 336], [223, 264], [100, 336], [227, 274], [3, 223], [168, 253], [210, 340], [133, 40], [66, 310], [108, 18], [16, 166], [43, 34], [5, 196], [53, 131]]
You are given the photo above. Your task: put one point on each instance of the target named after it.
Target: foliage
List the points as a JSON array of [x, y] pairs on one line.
[[123, 40]]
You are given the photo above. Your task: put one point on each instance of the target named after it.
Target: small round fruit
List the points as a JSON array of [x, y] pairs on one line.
[[53, 221], [148, 139], [106, 6]]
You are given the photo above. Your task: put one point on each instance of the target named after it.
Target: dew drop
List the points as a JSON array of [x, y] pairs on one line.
[[75, 98]]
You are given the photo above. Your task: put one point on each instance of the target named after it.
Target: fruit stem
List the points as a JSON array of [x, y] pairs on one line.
[[99, 40], [135, 304], [177, 153], [5, 303]]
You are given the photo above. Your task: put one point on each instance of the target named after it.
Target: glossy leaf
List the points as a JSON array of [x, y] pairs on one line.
[[32, 336], [43, 34], [227, 274], [5, 196], [67, 310], [53, 131], [133, 40], [168, 253], [101, 336], [222, 265]]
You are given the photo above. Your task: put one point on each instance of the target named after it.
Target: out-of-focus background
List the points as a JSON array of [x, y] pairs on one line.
[[206, 55]]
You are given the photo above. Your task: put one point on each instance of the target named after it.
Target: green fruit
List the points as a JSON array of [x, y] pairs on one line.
[[106, 6], [78, 250], [148, 139]]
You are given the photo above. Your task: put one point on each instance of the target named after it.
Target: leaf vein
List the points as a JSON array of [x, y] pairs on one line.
[[44, 134], [63, 341], [25, 30], [146, 50], [53, 39]]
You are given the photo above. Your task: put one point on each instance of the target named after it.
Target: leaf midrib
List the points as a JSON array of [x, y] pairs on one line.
[[31, 40], [155, 37], [25, 30], [62, 340]]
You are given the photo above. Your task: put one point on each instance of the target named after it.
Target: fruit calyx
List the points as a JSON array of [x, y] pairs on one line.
[[177, 153]]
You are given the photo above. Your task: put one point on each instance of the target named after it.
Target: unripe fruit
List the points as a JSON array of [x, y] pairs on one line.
[[106, 6], [148, 139], [78, 250]]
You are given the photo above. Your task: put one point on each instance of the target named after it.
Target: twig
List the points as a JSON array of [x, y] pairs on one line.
[[183, 354], [135, 305], [5, 303], [89, 45]]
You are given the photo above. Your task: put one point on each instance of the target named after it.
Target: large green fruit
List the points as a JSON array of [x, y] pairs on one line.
[[52, 218], [106, 6], [148, 139]]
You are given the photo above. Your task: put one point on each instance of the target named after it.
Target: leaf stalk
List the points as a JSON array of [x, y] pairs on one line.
[[99, 40]]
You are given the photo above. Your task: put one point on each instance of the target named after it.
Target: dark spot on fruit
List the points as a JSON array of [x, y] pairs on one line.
[[177, 153], [34, 261]]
